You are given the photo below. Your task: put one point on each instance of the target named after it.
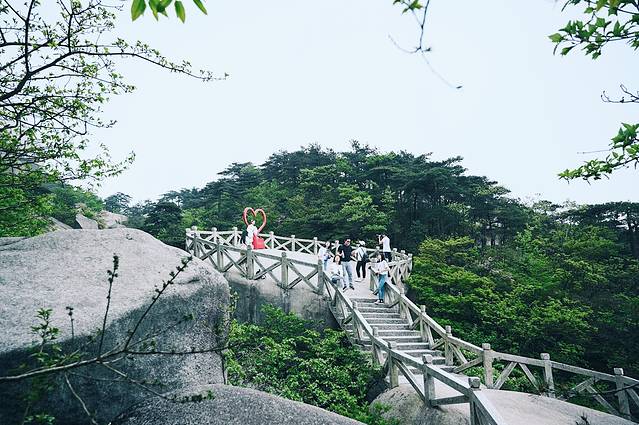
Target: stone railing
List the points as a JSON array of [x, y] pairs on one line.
[[223, 250]]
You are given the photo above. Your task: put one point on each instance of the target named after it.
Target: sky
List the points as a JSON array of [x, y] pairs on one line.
[[327, 72]]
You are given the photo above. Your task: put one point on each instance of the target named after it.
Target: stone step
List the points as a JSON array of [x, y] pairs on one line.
[[384, 326], [420, 353], [394, 333], [385, 320], [409, 346], [365, 301], [403, 339], [387, 315], [436, 360], [377, 309]]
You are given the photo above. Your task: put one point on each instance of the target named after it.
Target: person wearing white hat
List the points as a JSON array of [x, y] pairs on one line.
[[362, 258]]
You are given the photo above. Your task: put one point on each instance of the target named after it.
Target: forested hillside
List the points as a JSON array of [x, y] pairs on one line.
[[525, 277]]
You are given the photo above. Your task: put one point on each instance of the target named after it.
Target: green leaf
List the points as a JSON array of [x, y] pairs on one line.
[[153, 4], [556, 37], [179, 10], [137, 9], [200, 6]]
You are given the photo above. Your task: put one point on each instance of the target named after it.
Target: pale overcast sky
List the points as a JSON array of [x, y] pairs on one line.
[[326, 72]]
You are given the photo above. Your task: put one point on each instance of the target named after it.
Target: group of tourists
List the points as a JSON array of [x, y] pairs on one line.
[[339, 266]]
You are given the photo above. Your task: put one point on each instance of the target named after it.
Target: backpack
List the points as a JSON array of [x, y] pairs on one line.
[[364, 256]]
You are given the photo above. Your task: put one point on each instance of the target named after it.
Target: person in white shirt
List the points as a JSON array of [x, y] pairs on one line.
[[381, 269], [384, 240], [336, 272], [324, 253], [251, 231], [362, 258]]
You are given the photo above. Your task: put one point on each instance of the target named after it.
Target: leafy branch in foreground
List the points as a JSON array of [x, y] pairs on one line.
[[604, 22], [160, 7], [50, 361], [624, 151], [58, 67]]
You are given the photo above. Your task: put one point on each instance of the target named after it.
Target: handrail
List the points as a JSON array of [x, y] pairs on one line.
[[220, 243]]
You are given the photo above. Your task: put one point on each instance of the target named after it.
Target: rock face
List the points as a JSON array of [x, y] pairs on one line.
[[253, 294], [58, 225], [83, 222], [230, 406], [68, 268], [515, 408], [113, 220]]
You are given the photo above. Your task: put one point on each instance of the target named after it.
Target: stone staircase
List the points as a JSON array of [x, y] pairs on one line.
[[392, 327]]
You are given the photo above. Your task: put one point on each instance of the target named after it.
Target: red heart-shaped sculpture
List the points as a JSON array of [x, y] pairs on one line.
[[255, 212]]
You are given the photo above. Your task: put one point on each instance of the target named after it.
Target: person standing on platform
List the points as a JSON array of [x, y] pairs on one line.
[[381, 269], [362, 258], [384, 241], [324, 253], [251, 231], [346, 251]]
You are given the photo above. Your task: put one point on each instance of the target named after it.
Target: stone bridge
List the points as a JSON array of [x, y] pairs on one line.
[[416, 351]]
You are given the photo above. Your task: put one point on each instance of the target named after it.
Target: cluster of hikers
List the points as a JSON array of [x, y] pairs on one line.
[[339, 266]]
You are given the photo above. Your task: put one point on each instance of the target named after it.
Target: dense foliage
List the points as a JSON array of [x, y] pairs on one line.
[[50, 200], [359, 193], [287, 356], [566, 285]]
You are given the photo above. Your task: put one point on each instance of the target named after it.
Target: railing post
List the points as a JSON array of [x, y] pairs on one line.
[[320, 277], [235, 236], [393, 370], [284, 268], [410, 262], [336, 246], [394, 254], [214, 238], [374, 348], [371, 278], [271, 239], [293, 243], [447, 350], [314, 246], [429, 381], [401, 303], [424, 328], [487, 356], [548, 379], [356, 324], [220, 255], [196, 246], [474, 383], [250, 264], [622, 396]]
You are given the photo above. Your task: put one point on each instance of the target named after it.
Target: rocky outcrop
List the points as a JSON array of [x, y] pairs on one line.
[[112, 220], [516, 409], [82, 222], [58, 225], [252, 295], [228, 405], [68, 268]]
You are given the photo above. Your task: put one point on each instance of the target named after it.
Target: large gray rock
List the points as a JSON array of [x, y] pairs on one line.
[[68, 268], [112, 220], [58, 225], [229, 406], [86, 223], [252, 295], [514, 407]]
